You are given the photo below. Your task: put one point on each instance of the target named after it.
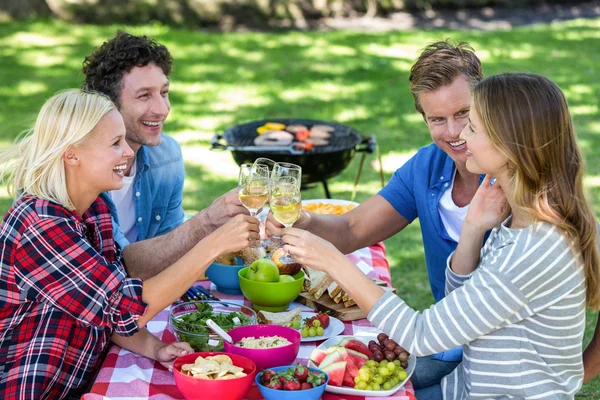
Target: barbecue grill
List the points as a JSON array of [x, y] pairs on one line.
[[318, 164]]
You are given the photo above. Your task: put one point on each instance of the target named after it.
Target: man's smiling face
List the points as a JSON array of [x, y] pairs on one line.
[[446, 114], [144, 105]]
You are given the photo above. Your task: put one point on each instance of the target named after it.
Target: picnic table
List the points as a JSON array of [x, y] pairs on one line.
[[126, 375]]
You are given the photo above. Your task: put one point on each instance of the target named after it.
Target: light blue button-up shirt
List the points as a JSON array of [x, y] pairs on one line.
[[157, 191]]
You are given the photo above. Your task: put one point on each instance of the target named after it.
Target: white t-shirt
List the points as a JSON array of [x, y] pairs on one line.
[[123, 199], [452, 215]]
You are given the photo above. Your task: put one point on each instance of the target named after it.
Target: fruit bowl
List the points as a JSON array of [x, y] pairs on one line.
[[307, 394], [270, 296], [225, 277], [265, 358], [337, 369], [187, 320], [231, 389]]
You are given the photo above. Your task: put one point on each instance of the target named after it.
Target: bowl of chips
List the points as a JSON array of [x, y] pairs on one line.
[[329, 206], [247, 341], [213, 375]]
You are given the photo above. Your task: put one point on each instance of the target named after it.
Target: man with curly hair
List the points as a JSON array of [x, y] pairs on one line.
[[147, 212]]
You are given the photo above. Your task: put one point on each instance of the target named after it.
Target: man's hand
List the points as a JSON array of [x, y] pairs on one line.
[[169, 352], [221, 210], [237, 234]]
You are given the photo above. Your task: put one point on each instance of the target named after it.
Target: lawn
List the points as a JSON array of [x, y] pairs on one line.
[[359, 79]]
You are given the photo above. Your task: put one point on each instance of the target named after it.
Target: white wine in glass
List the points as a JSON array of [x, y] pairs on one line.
[[285, 200], [286, 204], [253, 187], [286, 210]]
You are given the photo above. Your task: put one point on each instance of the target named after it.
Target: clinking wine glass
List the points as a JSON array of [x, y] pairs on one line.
[[286, 204], [282, 169], [253, 187]]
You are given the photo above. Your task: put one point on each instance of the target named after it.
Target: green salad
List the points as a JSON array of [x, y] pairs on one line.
[[190, 326]]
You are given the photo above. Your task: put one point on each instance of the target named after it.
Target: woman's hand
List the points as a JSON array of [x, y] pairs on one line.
[[274, 228], [489, 206], [238, 233], [309, 249], [169, 352]]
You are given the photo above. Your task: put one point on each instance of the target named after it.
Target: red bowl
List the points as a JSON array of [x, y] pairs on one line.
[[228, 389], [265, 358]]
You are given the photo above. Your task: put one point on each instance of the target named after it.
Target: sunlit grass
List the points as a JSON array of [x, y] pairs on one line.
[[220, 80]]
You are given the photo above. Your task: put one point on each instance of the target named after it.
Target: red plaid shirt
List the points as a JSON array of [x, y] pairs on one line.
[[63, 291]]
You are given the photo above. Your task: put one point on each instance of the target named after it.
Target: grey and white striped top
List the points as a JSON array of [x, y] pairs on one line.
[[520, 316]]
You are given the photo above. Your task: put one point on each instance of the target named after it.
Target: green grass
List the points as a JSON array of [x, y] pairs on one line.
[[359, 79]]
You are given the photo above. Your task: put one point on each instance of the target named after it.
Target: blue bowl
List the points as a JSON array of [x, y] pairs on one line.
[[307, 394], [225, 277]]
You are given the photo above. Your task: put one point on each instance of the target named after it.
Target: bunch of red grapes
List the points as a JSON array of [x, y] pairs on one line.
[[389, 350]]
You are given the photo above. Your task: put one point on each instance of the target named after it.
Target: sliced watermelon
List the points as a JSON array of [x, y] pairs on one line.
[[356, 345], [338, 355], [359, 359], [348, 379], [318, 355], [335, 372], [351, 370]]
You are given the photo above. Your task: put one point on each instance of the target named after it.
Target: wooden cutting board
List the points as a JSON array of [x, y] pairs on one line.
[[337, 310]]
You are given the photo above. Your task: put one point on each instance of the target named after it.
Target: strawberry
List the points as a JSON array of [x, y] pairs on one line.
[[301, 373], [324, 318], [305, 385], [274, 384], [267, 375], [287, 375], [316, 378], [291, 384]]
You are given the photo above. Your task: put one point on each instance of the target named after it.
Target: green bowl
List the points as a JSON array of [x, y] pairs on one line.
[[270, 296]]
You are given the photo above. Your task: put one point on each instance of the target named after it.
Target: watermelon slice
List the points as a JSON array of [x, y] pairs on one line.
[[351, 369], [318, 355], [337, 355], [359, 359], [335, 372], [348, 380], [356, 345]]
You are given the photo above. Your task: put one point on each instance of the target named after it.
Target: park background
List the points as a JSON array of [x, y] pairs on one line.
[[335, 60]]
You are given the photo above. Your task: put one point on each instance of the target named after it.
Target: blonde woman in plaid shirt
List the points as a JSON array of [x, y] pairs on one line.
[[64, 292]]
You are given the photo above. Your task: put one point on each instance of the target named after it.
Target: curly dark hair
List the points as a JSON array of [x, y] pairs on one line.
[[104, 69]]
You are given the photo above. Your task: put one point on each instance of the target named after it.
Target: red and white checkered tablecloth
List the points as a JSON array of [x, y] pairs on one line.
[[126, 375]]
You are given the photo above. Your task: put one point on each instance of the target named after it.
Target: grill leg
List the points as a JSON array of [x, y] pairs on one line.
[[327, 194]]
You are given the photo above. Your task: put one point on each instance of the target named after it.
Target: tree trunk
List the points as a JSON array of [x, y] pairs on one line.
[[25, 8]]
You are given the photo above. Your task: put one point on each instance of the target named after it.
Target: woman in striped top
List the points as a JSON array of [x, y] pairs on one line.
[[517, 305]]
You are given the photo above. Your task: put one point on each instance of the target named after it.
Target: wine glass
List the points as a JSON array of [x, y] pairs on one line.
[[265, 162], [285, 200], [253, 187], [285, 203], [281, 169]]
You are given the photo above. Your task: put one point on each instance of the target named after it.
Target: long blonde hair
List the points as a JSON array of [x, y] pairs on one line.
[[36, 161], [527, 118]]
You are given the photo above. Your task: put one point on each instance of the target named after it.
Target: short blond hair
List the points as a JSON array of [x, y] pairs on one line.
[[439, 64], [66, 119]]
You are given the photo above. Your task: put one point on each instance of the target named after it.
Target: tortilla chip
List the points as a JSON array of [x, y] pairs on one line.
[[221, 358]]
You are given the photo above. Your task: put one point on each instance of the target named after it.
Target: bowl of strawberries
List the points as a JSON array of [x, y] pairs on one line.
[[292, 382]]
